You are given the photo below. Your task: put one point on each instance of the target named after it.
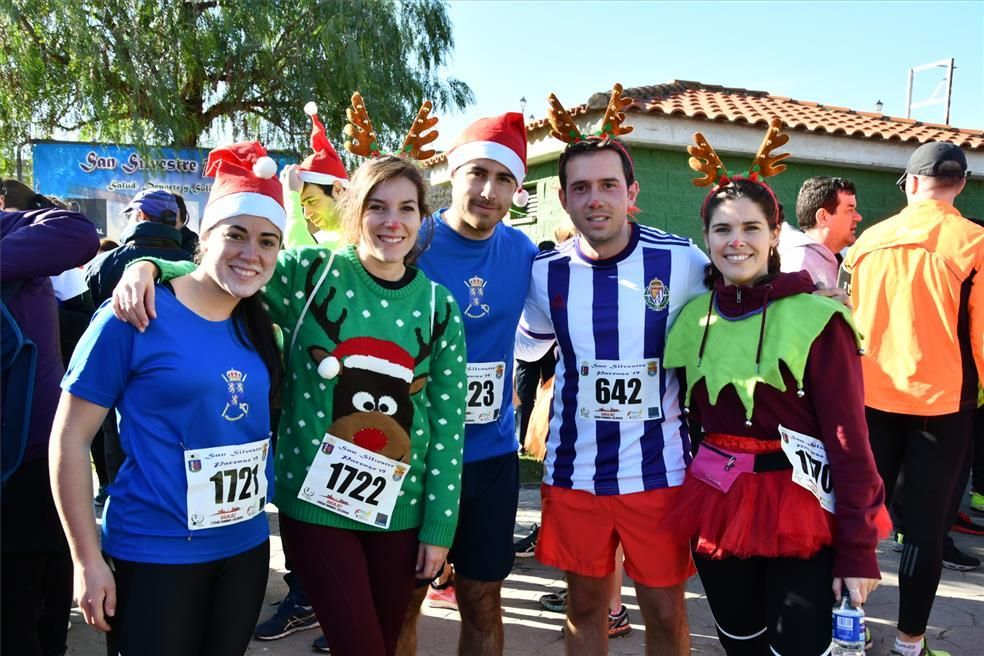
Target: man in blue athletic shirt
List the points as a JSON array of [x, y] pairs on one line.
[[486, 265]]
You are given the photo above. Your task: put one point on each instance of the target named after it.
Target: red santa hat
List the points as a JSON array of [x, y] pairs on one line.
[[324, 166], [501, 139], [245, 183], [370, 354]]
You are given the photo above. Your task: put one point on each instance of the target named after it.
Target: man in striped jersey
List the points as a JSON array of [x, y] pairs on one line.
[[618, 447]]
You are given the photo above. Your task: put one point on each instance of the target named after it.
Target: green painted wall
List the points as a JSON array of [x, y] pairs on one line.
[[669, 200]]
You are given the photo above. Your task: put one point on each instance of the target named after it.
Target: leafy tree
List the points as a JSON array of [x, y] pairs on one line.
[[186, 72]]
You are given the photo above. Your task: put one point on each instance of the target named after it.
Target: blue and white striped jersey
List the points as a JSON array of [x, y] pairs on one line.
[[616, 424]]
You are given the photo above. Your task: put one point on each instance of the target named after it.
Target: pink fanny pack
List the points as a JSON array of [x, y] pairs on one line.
[[720, 468]]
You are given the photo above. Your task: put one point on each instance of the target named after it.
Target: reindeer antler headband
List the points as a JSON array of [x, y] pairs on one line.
[[564, 128], [362, 139], [704, 160]]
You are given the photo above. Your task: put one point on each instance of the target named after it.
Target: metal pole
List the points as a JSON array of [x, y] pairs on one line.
[[949, 90], [908, 97]]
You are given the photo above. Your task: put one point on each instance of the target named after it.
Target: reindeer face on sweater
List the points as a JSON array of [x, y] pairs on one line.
[[372, 402], [371, 408]]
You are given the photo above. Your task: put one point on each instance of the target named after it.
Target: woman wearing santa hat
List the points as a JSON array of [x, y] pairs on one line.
[[183, 560], [369, 453]]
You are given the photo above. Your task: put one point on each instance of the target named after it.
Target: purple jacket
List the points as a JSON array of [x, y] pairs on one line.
[[33, 246]]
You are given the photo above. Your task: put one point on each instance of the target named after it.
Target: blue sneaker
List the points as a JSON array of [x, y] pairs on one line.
[[289, 618], [320, 645]]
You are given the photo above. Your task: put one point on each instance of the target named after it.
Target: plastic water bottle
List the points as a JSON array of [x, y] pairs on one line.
[[847, 623]]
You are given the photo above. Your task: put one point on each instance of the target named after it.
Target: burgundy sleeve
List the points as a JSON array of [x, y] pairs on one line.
[[45, 243], [833, 375]]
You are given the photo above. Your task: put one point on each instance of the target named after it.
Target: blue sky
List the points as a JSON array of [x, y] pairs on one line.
[[839, 53]]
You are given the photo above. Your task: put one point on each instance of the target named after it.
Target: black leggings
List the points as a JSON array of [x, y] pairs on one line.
[[765, 606], [204, 609], [977, 469], [930, 456]]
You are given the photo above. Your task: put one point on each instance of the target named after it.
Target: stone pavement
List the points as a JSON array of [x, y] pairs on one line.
[[956, 625]]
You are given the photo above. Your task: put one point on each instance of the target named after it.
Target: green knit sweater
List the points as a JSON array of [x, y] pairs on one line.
[[350, 304]]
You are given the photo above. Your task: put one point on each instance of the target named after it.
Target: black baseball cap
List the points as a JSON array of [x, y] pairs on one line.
[[937, 159]]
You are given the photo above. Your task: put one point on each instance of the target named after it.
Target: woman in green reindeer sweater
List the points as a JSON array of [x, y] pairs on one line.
[[368, 460]]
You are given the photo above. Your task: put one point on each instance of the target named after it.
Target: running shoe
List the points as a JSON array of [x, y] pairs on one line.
[[555, 602], [965, 524], [618, 624], [977, 502], [957, 560], [442, 596], [926, 651], [289, 618], [525, 548], [320, 645]]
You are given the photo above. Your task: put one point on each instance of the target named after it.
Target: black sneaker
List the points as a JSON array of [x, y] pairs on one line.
[[957, 560], [526, 547], [289, 618], [966, 525], [320, 645]]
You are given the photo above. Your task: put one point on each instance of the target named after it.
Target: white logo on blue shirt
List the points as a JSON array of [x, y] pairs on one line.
[[236, 407], [476, 291]]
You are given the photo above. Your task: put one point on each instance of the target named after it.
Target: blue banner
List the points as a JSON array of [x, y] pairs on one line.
[[100, 179]]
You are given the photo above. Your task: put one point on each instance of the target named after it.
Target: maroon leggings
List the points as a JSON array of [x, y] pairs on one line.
[[359, 583]]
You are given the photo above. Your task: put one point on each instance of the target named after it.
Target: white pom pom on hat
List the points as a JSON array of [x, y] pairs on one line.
[[311, 108], [265, 168], [521, 197], [329, 367]]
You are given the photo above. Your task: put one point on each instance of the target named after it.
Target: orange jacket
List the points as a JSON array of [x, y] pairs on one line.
[[917, 286]]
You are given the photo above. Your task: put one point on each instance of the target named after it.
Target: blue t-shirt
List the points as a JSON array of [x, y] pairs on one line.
[[185, 383], [488, 279]]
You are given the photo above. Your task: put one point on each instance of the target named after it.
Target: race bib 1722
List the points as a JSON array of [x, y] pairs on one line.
[[354, 482]]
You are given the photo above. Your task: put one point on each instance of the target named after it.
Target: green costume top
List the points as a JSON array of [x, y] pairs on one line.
[[384, 327], [794, 322]]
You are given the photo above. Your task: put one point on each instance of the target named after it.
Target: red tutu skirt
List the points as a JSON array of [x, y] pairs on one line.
[[763, 514]]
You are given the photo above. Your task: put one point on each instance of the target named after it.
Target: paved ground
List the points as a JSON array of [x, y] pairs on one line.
[[957, 622]]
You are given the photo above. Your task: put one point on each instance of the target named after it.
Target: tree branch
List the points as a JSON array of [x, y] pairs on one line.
[[39, 43]]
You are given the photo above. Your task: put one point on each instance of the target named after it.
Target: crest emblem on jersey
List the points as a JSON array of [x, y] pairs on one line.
[[657, 295], [585, 368], [194, 465], [236, 407], [327, 448], [652, 367], [398, 472], [476, 292], [499, 370]]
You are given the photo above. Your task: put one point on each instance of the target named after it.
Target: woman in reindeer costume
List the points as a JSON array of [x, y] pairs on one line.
[[783, 494], [368, 460]]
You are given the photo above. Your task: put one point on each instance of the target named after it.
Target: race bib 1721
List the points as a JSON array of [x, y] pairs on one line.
[[226, 484]]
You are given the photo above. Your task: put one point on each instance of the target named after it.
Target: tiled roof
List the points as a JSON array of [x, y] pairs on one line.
[[711, 102]]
